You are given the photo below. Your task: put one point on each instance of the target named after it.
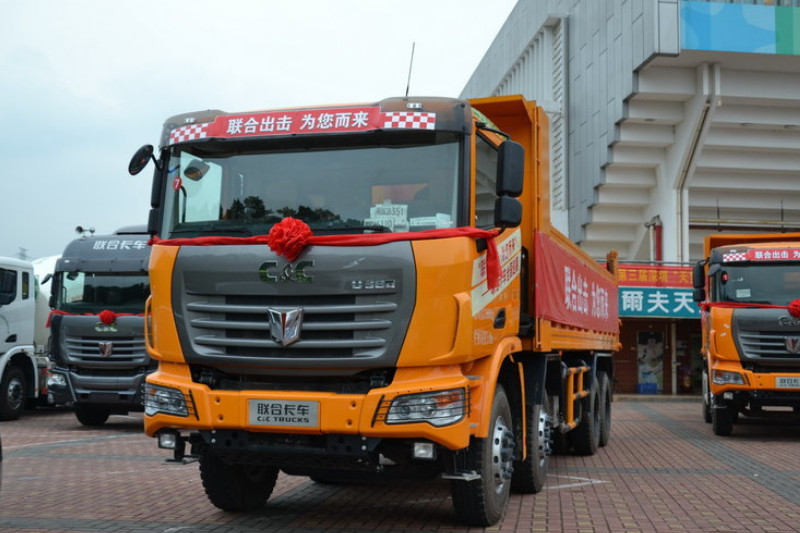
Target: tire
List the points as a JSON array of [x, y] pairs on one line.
[[482, 502], [722, 420], [530, 474], [235, 488], [605, 408], [586, 437], [92, 415], [13, 393], [706, 399]]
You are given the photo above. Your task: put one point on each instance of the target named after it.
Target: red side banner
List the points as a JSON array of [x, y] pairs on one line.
[[572, 292]]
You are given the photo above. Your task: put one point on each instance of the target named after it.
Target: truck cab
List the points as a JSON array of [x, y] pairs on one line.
[[97, 325], [23, 338], [748, 288]]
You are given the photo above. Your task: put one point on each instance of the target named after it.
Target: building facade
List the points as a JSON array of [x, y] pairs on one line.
[[670, 119]]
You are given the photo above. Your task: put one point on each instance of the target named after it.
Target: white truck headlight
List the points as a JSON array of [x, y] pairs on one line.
[[56, 380], [440, 408], [158, 399]]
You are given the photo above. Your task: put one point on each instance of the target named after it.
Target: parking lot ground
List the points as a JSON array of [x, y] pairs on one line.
[[663, 471]]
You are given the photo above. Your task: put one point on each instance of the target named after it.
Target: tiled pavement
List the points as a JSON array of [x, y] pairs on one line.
[[663, 471]]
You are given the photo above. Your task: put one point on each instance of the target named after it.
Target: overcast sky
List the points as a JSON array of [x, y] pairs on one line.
[[84, 83]]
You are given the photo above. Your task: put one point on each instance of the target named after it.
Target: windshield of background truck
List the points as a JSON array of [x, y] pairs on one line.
[[86, 292], [233, 189], [774, 283]]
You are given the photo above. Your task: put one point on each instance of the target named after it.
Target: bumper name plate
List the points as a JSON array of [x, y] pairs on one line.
[[289, 413]]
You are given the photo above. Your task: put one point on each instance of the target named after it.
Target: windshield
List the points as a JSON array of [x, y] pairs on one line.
[[86, 292], [334, 189], [774, 283]]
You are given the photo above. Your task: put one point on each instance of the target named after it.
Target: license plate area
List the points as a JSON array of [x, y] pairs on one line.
[[787, 382], [283, 413]]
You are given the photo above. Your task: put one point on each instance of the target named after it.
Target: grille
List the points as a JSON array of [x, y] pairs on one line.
[[333, 326], [761, 345], [87, 349]]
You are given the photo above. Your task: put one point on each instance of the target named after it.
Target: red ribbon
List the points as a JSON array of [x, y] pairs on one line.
[[290, 237], [793, 307], [106, 317]]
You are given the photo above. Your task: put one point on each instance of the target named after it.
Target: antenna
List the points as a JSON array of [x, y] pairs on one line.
[[410, 65]]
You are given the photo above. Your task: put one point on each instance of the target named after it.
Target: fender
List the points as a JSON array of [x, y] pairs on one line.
[[25, 350], [487, 371]]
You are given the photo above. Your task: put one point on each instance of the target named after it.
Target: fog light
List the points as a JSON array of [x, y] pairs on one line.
[[56, 380], [168, 440], [424, 450], [727, 396]]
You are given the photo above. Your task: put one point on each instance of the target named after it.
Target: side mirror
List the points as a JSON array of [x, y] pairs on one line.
[[699, 275], [196, 169], [699, 295], [510, 169], [507, 212], [140, 159]]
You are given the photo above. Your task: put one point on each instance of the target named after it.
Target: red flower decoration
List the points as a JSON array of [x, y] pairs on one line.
[[288, 237], [107, 317], [794, 308]]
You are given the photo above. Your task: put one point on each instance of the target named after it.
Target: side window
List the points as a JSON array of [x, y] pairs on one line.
[[485, 182], [8, 286], [26, 284]]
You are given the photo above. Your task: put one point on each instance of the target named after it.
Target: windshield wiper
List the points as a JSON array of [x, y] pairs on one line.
[[215, 229], [377, 228]]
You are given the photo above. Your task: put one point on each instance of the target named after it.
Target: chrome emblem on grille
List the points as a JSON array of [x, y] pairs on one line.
[[284, 326], [792, 344], [106, 348], [269, 272]]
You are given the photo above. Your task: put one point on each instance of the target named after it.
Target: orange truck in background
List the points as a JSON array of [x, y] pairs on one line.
[[747, 288], [354, 291]]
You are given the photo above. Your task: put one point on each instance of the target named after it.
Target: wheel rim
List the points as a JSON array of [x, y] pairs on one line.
[[502, 454], [16, 394], [544, 441]]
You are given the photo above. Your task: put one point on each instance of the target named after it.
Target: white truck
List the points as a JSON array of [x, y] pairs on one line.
[[24, 364]]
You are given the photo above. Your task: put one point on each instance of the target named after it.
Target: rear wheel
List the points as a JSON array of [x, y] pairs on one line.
[[481, 502], [530, 473], [92, 415], [13, 391], [605, 408], [233, 487], [586, 437]]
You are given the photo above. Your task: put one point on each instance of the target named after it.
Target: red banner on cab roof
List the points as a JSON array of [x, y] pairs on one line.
[[763, 254], [572, 292], [304, 121]]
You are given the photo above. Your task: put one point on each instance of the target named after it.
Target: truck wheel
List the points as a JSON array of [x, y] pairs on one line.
[[605, 408], [722, 420], [235, 488], [706, 399], [586, 437], [530, 473], [92, 415], [481, 502], [13, 391]]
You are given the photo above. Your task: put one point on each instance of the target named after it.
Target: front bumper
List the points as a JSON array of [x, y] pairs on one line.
[[116, 391], [360, 415]]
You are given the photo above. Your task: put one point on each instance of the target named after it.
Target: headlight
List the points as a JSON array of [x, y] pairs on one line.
[[725, 377], [158, 399], [440, 408], [56, 380]]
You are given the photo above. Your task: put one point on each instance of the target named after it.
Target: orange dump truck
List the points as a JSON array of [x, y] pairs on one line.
[[747, 287], [371, 290]]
